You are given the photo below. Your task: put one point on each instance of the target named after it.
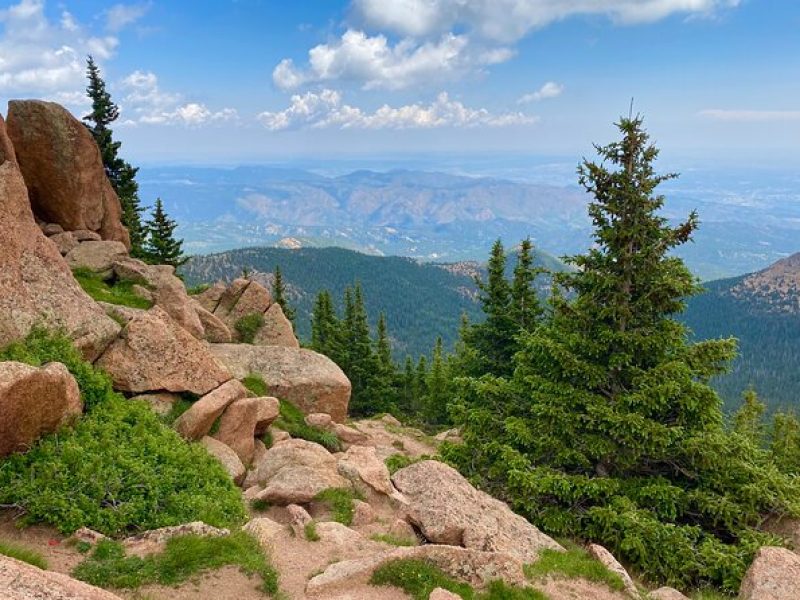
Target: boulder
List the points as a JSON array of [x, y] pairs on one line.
[[319, 420], [298, 519], [277, 329], [87, 536], [84, 235], [774, 574], [267, 532], [154, 353], [666, 593], [443, 594], [253, 299], [612, 564], [33, 402], [339, 535], [349, 435], [240, 420], [229, 297], [21, 581], [361, 465], [198, 419], [121, 314], [311, 381], [278, 435], [786, 527], [295, 471], [50, 229], [154, 540], [363, 513], [449, 510], [227, 457], [36, 286], [63, 170], [209, 298], [161, 403], [98, 257], [64, 242], [215, 330]]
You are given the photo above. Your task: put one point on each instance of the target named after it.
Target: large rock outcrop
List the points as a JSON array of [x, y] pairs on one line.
[[774, 574], [311, 381], [36, 286], [34, 402], [155, 353], [21, 581], [63, 170], [449, 510]]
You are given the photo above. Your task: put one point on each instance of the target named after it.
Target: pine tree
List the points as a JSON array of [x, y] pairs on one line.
[[785, 442], [748, 420], [437, 389], [120, 173], [608, 429], [279, 294], [420, 386], [525, 309], [408, 388], [161, 247], [383, 347], [325, 327]]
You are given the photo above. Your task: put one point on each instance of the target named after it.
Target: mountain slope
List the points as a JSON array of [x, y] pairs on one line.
[[762, 310]]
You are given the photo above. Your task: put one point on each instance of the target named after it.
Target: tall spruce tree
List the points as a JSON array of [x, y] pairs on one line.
[[525, 307], [161, 246], [325, 327], [279, 294], [437, 394], [608, 429], [120, 173]]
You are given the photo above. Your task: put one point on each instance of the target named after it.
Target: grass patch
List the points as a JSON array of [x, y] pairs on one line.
[[24, 554], [395, 462], [179, 407], [573, 563], [260, 504], [119, 470], [194, 290], [293, 421], [266, 437], [311, 532], [247, 326], [116, 292], [395, 540], [419, 578], [340, 503], [182, 558], [256, 384]]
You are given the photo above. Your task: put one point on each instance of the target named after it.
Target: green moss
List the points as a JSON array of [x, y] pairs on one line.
[[260, 504], [573, 563], [182, 558], [24, 554], [117, 292], [395, 462], [340, 503], [255, 383], [248, 325], [311, 531], [119, 470], [419, 578], [395, 540], [293, 421]]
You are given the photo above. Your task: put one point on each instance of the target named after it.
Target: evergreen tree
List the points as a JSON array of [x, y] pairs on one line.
[[279, 294], [785, 442], [325, 327], [420, 386], [383, 347], [608, 429], [525, 307], [362, 363], [120, 173], [748, 420], [408, 388], [437, 389], [161, 247]]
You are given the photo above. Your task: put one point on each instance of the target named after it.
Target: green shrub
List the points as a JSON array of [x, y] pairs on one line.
[[197, 289], [292, 421], [255, 383], [419, 578], [340, 503], [571, 564], [395, 540], [248, 325], [118, 291], [183, 557], [24, 554], [119, 470], [310, 530], [395, 462], [259, 504]]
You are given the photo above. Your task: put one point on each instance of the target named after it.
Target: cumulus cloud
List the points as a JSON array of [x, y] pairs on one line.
[[326, 109], [120, 16], [39, 57], [751, 116], [551, 89], [146, 103]]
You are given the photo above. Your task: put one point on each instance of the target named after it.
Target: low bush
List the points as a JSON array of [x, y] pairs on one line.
[[395, 462], [183, 557], [118, 291], [310, 530], [340, 503], [256, 384], [24, 554], [395, 540], [119, 470], [576, 562], [248, 325], [293, 421]]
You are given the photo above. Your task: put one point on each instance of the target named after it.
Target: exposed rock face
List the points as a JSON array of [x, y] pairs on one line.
[[295, 471], [21, 581], [154, 353], [361, 465], [197, 421], [34, 402], [298, 519], [773, 575], [277, 329], [239, 423], [448, 510], [63, 170], [36, 285], [64, 242], [612, 564], [98, 257], [215, 330], [311, 381], [227, 457]]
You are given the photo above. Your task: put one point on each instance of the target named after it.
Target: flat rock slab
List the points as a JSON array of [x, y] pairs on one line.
[[21, 581]]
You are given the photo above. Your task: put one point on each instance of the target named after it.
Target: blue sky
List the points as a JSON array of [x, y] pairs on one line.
[[260, 80]]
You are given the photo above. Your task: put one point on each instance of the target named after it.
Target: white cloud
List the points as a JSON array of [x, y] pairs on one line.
[[374, 62], [43, 58], [551, 89], [325, 109], [120, 16], [509, 20], [751, 116], [145, 103]]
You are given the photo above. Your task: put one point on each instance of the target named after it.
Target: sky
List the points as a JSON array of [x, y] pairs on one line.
[[246, 81]]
